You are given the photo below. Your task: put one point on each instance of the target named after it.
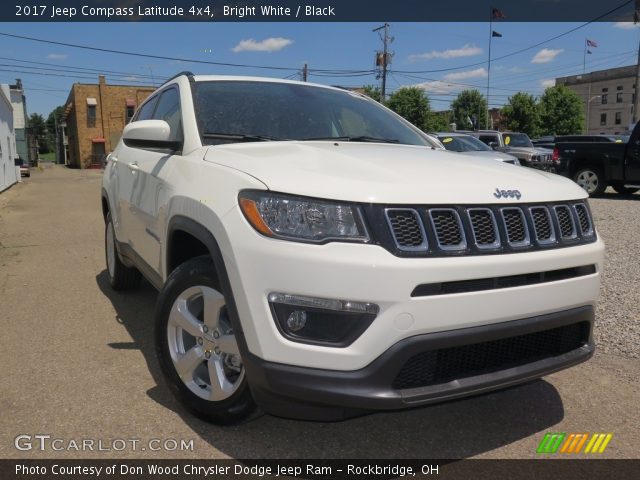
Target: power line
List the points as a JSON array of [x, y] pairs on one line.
[[531, 47], [75, 68], [162, 57]]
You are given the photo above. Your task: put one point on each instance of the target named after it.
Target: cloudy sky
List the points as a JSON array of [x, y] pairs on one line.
[[442, 58]]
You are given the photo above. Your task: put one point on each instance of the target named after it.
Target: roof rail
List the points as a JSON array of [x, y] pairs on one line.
[[187, 73]]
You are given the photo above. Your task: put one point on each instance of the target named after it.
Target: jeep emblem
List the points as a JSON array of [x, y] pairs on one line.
[[507, 194]]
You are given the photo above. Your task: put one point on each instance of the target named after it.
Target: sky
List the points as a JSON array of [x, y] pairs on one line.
[[460, 49]]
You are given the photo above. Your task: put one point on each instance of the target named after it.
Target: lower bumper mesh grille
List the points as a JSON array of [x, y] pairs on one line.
[[441, 366]]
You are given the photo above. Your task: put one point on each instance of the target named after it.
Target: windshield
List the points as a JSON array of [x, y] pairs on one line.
[[464, 143], [236, 111], [516, 140]]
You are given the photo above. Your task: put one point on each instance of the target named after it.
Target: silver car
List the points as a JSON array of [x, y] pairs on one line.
[[470, 145]]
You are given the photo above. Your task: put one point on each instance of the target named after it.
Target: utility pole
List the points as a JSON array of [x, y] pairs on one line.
[[385, 57], [305, 72]]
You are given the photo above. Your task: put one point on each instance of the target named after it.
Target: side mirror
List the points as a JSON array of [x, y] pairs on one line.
[[493, 145], [149, 134]]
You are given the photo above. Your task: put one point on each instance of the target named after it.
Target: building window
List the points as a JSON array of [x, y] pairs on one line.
[[130, 108], [605, 90], [619, 97], [603, 119], [91, 116], [618, 118], [604, 99], [619, 87]]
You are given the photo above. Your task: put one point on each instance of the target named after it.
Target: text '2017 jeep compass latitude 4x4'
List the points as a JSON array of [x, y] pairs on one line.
[[318, 257]]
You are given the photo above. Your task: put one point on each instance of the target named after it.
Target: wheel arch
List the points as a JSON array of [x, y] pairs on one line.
[[202, 242], [106, 207]]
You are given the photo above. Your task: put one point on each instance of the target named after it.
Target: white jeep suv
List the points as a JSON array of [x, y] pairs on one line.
[[318, 256]]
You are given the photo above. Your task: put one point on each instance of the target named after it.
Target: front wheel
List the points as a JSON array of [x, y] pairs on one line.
[[197, 347], [591, 179]]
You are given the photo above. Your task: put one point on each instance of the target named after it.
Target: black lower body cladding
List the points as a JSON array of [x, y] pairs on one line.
[[428, 368]]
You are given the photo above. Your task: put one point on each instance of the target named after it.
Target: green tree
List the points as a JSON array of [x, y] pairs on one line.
[[39, 128], [521, 114], [560, 111], [438, 122], [52, 121], [412, 104], [373, 92], [469, 104]]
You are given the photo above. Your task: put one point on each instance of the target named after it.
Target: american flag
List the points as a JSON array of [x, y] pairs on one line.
[[497, 14], [591, 43]]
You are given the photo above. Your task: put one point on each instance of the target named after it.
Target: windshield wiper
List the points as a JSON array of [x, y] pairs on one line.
[[240, 137], [361, 138]]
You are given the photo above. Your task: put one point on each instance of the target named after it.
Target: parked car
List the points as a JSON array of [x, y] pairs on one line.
[[318, 257], [596, 165], [25, 171], [470, 145], [550, 141], [518, 145]]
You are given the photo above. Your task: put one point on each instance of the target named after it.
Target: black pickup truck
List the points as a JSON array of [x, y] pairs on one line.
[[596, 165]]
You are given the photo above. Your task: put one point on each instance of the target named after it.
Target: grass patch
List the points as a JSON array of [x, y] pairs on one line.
[[48, 157]]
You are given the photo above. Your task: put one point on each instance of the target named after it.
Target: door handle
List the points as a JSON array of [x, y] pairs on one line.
[[133, 166]]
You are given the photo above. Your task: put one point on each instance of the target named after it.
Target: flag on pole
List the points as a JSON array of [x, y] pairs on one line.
[[591, 43], [496, 34], [497, 14]]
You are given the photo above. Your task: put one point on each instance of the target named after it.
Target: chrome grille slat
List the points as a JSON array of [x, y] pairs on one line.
[[448, 229], [543, 226], [407, 229], [484, 228], [515, 225], [565, 220], [586, 228]]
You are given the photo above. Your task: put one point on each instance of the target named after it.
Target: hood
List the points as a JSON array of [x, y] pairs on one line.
[[387, 173], [500, 156]]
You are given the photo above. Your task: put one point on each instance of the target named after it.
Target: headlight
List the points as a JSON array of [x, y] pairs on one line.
[[302, 219]]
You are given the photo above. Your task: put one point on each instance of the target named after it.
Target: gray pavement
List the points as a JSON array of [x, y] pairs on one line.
[[78, 363]]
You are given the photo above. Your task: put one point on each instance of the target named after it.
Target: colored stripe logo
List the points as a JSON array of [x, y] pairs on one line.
[[574, 443]]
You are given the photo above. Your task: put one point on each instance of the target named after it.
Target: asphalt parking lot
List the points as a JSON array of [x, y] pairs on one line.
[[78, 360]]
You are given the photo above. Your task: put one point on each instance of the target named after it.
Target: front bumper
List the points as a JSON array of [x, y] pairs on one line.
[[327, 395]]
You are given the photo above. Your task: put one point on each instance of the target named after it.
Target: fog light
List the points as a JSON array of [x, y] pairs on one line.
[[329, 322], [297, 320]]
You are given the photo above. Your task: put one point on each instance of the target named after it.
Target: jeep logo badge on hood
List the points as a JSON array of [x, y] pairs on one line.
[[507, 194]]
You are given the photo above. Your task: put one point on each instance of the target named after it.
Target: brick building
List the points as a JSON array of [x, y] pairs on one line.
[[94, 118]]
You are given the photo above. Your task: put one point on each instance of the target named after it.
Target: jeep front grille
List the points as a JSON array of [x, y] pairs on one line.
[[473, 230]]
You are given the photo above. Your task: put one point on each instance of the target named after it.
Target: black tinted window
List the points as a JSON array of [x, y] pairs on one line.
[[488, 139], [168, 109], [146, 110], [285, 111]]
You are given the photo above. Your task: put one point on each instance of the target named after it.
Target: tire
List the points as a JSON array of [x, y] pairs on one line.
[[591, 179], [195, 344], [622, 190], [121, 277]]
